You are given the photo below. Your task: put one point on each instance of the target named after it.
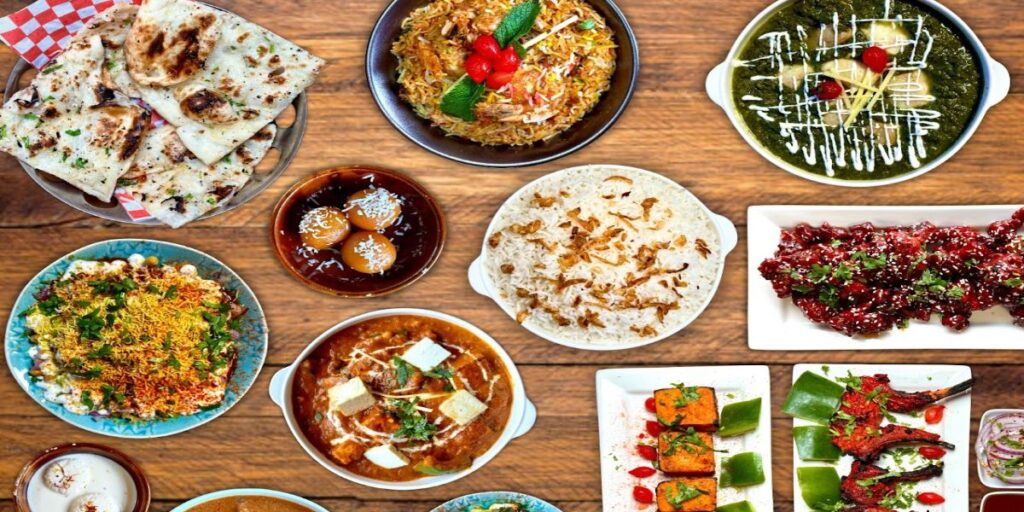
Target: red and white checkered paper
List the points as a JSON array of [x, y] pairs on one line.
[[39, 32]]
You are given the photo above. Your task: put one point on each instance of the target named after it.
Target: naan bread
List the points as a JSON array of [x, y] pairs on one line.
[[176, 187], [69, 122], [229, 93]]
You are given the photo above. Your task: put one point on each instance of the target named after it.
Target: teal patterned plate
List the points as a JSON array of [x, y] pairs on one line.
[[252, 345], [486, 499]]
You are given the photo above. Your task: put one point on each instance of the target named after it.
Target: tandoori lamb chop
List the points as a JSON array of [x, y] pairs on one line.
[[867, 485], [857, 426]]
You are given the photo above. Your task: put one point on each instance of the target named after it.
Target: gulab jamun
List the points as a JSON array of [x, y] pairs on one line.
[[373, 208], [323, 227], [368, 252]]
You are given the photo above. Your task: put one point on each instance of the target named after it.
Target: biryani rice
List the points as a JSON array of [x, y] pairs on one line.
[[559, 81]]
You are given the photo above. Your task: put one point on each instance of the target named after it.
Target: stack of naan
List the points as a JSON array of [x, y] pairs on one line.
[[217, 79]]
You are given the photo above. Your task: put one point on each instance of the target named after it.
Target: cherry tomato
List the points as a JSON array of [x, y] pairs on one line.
[[828, 90], [649, 404], [875, 58], [497, 80], [643, 494], [931, 452], [487, 47], [931, 498], [933, 414], [642, 471], [477, 67], [654, 428], [647, 452], [507, 61]]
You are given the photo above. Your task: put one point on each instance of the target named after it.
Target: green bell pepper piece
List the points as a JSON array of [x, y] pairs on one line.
[[742, 506], [813, 398], [431, 470], [819, 486], [815, 443], [742, 470], [740, 418]]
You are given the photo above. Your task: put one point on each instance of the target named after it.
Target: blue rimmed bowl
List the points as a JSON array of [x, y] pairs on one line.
[[230, 493], [252, 344], [486, 499]]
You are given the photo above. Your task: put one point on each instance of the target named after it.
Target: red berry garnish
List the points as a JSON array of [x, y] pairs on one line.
[[875, 58], [643, 494], [487, 47], [497, 80], [477, 67], [930, 498], [828, 90], [647, 452], [931, 452], [507, 61], [933, 414], [642, 471], [654, 428], [649, 405]]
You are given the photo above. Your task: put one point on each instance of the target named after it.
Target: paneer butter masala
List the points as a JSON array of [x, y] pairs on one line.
[[402, 397]]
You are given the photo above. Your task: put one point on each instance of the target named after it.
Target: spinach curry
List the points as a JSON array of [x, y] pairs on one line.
[[856, 89]]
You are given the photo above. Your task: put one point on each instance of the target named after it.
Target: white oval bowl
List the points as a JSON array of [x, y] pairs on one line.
[[995, 86], [229, 493], [482, 284], [520, 420]]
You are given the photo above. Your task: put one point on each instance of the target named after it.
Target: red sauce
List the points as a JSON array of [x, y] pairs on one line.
[[417, 235], [1003, 503]]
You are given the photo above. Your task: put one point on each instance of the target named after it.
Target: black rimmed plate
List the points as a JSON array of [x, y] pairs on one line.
[[382, 72]]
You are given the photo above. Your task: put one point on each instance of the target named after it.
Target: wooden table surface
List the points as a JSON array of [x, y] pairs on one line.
[[671, 127]]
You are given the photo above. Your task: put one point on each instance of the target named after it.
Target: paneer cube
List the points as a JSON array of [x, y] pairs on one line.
[[688, 495], [350, 397], [682, 407], [686, 453], [386, 456], [462, 407], [426, 354], [347, 451]]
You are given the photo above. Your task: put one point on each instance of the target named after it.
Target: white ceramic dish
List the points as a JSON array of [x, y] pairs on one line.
[[995, 87], [206, 498], [955, 427], [990, 481], [621, 417], [481, 283], [776, 324], [520, 420]]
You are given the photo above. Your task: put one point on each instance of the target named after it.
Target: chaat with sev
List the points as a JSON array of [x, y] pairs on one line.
[[133, 339], [501, 72]]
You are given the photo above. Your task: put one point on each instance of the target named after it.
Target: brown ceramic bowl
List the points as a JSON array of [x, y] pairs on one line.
[[133, 469], [418, 234]]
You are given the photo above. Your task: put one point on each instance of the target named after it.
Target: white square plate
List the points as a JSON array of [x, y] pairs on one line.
[[776, 324], [991, 481], [621, 394], [955, 427]]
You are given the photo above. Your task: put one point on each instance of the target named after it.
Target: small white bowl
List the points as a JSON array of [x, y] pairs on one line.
[[228, 493], [482, 284], [987, 480], [520, 420], [995, 86]]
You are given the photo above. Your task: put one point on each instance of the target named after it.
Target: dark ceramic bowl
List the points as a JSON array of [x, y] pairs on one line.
[[138, 477], [381, 74]]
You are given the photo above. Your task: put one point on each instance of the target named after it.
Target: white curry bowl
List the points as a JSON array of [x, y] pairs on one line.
[[995, 85], [481, 282], [231, 493], [520, 420]]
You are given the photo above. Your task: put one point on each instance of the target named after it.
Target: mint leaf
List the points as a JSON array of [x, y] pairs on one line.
[[461, 98], [520, 49], [517, 22]]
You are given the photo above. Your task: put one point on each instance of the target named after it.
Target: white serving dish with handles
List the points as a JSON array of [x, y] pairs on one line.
[[231, 493], [482, 284], [995, 87], [520, 420]]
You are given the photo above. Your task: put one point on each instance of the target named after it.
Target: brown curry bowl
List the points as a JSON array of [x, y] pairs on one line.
[[521, 418], [142, 497], [419, 233]]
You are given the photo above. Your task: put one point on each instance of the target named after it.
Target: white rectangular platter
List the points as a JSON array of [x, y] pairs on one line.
[[955, 427], [622, 417], [776, 324]]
